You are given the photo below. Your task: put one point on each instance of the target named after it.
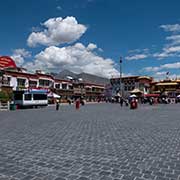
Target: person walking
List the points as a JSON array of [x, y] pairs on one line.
[[57, 105], [69, 101], [121, 102], [77, 103], [126, 102]]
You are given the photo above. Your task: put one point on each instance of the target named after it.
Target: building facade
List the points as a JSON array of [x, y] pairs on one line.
[[166, 87], [130, 83], [18, 80]]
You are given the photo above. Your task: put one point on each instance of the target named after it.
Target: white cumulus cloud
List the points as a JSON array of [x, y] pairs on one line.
[[172, 47], [171, 66], [77, 58], [175, 65], [171, 27], [91, 46], [151, 69], [137, 54], [161, 75], [57, 31], [168, 52], [19, 55], [137, 57], [175, 39]]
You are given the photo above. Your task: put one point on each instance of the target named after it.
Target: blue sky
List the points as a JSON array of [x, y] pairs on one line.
[[91, 35]]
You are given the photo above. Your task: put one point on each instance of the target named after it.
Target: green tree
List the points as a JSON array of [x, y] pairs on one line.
[[5, 96]]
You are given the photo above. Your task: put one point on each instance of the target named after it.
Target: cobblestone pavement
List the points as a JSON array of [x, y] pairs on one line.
[[98, 142]]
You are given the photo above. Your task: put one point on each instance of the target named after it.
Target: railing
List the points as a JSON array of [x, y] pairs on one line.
[[79, 91], [4, 106]]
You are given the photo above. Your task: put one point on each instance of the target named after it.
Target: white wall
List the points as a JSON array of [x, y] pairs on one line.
[[13, 82]]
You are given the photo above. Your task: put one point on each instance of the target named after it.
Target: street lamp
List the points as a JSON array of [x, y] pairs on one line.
[[120, 80], [81, 86]]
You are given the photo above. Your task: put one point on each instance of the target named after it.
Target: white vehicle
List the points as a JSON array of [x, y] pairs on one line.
[[30, 98]]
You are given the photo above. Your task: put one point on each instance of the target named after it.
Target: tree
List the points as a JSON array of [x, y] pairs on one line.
[[5, 96]]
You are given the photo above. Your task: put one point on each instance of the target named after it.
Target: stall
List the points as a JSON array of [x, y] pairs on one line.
[[53, 97]]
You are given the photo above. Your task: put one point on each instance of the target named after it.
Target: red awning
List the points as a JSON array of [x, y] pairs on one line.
[[151, 95], [6, 61]]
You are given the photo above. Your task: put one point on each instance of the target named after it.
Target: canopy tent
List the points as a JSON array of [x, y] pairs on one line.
[[136, 91], [53, 95], [132, 96]]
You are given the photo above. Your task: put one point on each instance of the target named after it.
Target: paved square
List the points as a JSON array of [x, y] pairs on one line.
[[98, 142]]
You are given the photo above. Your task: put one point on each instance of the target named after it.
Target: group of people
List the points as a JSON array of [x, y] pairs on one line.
[[124, 101], [160, 100], [133, 102], [142, 100], [78, 102]]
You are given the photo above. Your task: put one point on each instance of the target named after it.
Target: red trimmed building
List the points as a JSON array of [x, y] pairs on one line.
[[131, 84], [18, 79]]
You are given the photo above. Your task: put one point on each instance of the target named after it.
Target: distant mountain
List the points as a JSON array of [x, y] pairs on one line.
[[93, 78], [53, 74], [63, 74], [84, 76]]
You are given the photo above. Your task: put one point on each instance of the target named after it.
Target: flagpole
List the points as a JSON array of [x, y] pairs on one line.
[[120, 80]]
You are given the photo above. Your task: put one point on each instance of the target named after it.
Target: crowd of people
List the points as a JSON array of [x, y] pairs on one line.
[[143, 100], [130, 101]]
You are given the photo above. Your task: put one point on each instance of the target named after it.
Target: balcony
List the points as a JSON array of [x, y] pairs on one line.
[[79, 91]]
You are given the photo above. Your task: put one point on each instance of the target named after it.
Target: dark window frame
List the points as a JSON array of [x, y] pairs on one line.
[[39, 96], [27, 97]]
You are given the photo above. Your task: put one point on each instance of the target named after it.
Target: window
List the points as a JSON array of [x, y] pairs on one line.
[[70, 87], [57, 86], [64, 86], [21, 82], [27, 97], [32, 83], [43, 82], [88, 89], [39, 96]]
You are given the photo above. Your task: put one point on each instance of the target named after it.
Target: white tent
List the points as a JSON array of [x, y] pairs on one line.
[[133, 96], [53, 95], [136, 90]]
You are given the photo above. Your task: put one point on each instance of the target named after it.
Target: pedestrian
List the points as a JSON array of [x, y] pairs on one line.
[[151, 101], [121, 102], [126, 102], [57, 105], [133, 104], [77, 103], [69, 101], [82, 101]]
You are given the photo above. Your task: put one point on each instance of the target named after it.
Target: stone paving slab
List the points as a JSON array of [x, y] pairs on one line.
[[97, 142]]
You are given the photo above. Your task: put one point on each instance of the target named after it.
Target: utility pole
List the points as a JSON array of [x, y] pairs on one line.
[[120, 80]]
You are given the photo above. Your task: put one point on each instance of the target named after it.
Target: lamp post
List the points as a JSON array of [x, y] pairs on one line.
[[81, 86], [120, 80]]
